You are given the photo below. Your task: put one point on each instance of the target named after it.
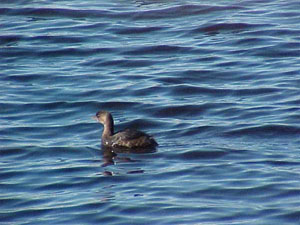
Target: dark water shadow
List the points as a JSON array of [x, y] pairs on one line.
[[140, 3], [112, 155]]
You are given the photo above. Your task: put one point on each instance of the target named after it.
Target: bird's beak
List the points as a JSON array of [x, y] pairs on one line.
[[95, 118]]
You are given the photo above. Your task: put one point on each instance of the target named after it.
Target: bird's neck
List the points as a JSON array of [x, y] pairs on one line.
[[108, 128]]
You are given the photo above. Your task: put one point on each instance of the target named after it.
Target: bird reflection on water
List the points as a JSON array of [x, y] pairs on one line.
[[111, 156]]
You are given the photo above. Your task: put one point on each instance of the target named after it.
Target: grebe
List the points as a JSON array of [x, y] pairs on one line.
[[128, 138]]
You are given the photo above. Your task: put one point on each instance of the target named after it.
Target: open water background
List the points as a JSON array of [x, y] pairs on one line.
[[216, 82]]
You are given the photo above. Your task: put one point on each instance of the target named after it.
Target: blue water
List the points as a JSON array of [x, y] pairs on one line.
[[217, 83]]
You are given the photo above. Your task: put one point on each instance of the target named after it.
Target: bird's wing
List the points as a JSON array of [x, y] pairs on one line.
[[130, 134]]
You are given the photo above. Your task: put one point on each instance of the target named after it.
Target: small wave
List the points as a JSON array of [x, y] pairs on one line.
[[58, 39], [184, 89], [193, 90], [182, 110], [32, 52], [266, 131], [126, 63], [276, 52], [136, 30], [198, 155], [181, 11], [11, 152], [255, 91], [217, 28], [9, 39], [158, 49], [57, 12], [29, 108], [72, 52]]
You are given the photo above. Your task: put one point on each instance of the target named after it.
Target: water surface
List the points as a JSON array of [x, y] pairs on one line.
[[216, 83]]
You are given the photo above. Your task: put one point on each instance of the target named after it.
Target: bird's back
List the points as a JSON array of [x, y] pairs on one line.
[[131, 138]]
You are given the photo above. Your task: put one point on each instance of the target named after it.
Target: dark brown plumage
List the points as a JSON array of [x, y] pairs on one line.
[[128, 138]]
